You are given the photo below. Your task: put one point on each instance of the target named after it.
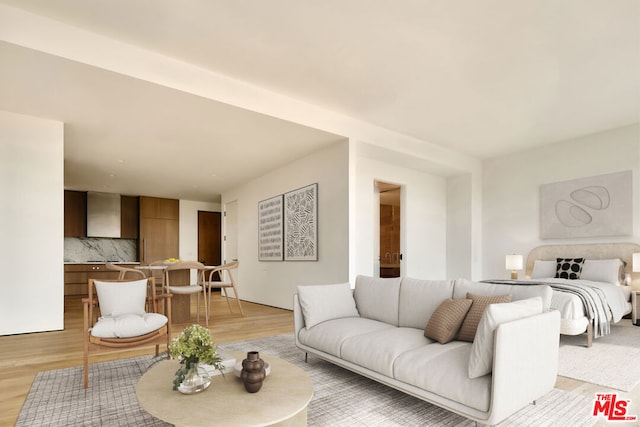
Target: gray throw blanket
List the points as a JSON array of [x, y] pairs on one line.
[[593, 299]]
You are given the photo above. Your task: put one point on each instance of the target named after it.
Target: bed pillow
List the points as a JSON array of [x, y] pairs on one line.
[[118, 298], [569, 268], [480, 302], [320, 303], [445, 321], [544, 269], [481, 359], [602, 270]]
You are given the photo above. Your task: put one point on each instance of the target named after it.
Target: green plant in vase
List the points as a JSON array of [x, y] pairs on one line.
[[193, 346]]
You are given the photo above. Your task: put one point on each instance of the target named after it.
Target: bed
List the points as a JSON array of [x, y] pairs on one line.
[[598, 297]]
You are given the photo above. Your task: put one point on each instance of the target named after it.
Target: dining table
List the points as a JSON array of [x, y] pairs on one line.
[[180, 303]]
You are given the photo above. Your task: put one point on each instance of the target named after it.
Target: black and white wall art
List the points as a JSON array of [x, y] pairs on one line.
[[270, 223], [301, 224], [600, 205]]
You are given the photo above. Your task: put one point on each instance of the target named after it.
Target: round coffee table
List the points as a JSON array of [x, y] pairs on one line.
[[282, 400]]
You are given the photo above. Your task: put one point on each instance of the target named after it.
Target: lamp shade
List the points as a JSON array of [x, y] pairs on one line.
[[636, 262], [513, 262]]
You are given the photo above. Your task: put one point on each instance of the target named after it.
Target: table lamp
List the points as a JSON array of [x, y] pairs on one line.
[[514, 263]]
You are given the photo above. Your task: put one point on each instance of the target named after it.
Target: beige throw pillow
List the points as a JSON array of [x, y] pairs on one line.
[[446, 320], [480, 303]]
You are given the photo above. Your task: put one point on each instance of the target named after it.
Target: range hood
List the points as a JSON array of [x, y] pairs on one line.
[[103, 214]]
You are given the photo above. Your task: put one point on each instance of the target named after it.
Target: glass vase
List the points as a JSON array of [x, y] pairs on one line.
[[196, 380]]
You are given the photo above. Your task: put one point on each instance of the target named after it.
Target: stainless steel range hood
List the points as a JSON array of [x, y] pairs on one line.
[[103, 214]]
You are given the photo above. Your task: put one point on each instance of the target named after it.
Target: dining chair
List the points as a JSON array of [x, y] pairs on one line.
[[139, 274], [128, 318], [190, 289], [158, 273], [226, 282]]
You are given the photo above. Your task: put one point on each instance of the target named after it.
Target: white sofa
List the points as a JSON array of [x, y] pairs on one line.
[[378, 330]]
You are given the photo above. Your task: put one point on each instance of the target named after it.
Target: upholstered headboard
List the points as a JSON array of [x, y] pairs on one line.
[[624, 251]]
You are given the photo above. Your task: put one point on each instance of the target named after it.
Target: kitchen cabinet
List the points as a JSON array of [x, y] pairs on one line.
[[129, 217], [75, 213], [76, 276], [159, 228]]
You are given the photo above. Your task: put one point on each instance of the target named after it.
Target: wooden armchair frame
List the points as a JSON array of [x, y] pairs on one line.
[[93, 344], [139, 274]]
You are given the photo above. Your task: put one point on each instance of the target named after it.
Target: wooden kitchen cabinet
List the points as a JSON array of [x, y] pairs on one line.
[[154, 207], [75, 213], [76, 276], [159, 229], [129, 217]]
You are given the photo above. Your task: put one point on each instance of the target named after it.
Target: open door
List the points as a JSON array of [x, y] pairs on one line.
[[231, 232], [390, 254]]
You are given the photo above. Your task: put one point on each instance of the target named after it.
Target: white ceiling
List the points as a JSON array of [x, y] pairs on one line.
[[482, 77]]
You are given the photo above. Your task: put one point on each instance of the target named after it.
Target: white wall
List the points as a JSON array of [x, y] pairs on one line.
[[459, 226], [423, 218], [511, 184], [274, 283], [31, 224]]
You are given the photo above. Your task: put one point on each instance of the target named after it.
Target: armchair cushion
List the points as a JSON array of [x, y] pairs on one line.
[[128, 325], [117, 298]]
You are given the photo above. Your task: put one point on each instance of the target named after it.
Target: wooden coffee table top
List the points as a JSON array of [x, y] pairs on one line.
[[283, 398]]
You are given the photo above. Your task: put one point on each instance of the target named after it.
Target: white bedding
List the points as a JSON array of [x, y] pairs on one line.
[[571, 307]]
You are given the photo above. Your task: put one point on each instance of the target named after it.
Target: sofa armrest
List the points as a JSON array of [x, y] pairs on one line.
[[525, 363], [298, 319]]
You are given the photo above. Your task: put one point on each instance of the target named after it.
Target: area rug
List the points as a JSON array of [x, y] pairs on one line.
[[341, 398], [612, 360]]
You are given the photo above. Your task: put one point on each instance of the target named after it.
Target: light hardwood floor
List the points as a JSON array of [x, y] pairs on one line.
[[22, 356]]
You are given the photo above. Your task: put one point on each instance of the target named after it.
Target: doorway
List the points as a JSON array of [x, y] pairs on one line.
[[390, 254], [209, 238], [231, 231]]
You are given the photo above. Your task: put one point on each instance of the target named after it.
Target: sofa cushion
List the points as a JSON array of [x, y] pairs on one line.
[[419, 299], [330, 335], [378, 350], [481, 359], [377, 298], [445, 322], [442, 369], [472, 319], [462, 286], [325, 302]]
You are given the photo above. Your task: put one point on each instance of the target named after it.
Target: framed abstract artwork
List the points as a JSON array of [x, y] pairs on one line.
[[600, 205], [270, 223], [301, 224]]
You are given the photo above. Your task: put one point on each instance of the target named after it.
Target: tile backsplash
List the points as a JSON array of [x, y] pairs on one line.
[[90, 249]]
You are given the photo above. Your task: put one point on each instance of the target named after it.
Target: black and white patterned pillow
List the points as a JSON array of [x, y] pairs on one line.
[[569, 268]]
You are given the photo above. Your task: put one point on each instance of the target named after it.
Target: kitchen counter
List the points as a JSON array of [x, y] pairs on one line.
[[101, 262]]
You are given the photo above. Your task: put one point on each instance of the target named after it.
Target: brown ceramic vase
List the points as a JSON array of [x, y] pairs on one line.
[[253, 372]]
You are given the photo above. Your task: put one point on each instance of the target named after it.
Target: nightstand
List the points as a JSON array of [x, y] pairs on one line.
[[635, 307]]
